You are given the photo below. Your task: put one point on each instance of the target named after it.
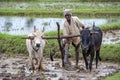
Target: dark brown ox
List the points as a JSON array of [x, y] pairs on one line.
[[91, 42]]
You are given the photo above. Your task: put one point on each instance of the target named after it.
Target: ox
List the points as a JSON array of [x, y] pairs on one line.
[[35, 46], [91, 42]]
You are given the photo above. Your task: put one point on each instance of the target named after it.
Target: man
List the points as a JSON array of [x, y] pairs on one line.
[[71, 26]]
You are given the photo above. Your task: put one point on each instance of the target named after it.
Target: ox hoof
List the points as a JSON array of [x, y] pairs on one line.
[[69, 67]]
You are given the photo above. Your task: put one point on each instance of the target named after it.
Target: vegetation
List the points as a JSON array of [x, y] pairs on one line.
[[114, 77], [12, 44], [110, 26], [110, 52]]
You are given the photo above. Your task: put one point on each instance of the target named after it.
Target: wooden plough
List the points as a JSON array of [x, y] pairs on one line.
[[58, 37]]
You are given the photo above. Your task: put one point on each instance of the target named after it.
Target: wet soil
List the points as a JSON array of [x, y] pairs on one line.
[[111, 37], [17, 68]]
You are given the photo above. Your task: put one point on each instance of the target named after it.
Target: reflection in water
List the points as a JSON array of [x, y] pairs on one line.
[[29, 22], [7, 26], [24, 25]]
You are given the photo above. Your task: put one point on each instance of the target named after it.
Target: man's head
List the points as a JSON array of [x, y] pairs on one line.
[[68, 14]]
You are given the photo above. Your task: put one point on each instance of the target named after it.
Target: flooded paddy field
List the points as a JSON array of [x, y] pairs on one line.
[[17, 68]]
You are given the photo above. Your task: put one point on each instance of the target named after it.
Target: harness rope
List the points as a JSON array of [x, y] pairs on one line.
[[36, 50]]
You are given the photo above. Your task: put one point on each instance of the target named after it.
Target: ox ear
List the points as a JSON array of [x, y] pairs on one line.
[[31, 37]]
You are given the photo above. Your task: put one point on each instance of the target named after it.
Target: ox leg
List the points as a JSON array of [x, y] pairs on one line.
[[32, 64], [85, 59], [39, 64], [91, 59], [76, 52], [97, 57]]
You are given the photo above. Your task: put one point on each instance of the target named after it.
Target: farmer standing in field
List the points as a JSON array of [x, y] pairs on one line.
[[71, 26]]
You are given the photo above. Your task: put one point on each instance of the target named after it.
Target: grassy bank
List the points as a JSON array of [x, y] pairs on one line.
[[59, 13], [12, 44], [110, 26]]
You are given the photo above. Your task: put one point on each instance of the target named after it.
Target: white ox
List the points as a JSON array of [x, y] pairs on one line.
[[35, 46]]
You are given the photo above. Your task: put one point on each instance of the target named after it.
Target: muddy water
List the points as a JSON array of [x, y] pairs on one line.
[[17, 68]]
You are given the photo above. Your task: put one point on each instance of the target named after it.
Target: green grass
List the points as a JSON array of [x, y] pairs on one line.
[[12, 44], [110, 26], [59, 13], [114, 77], [110, 52]]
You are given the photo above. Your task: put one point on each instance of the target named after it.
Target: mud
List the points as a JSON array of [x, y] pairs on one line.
[[17, 68], [111, 37]]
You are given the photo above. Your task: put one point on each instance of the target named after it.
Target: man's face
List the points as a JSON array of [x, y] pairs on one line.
[[68, 17]]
